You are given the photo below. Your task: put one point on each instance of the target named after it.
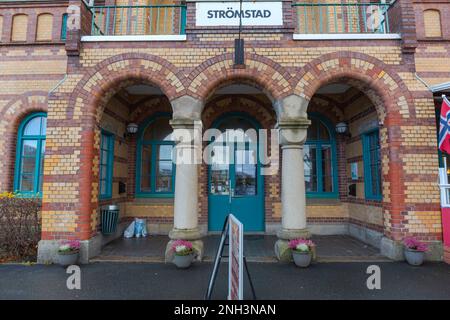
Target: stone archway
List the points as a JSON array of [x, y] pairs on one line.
[[394, 106]]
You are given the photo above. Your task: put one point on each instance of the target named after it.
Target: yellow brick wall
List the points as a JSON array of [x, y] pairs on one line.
[[44, 27], [432, 23], [19, 27]]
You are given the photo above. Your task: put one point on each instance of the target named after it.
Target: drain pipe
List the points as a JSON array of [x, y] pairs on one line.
[[423, 82], [57, 85]]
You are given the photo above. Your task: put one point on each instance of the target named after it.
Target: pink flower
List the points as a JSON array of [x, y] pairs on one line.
[[179, 243], [293, 244], [414, 244]]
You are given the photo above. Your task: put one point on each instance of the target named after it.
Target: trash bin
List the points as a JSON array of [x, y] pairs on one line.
[[110, 218]]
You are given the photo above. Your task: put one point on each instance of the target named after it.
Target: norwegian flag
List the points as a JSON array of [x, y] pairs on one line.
[[444, 127]]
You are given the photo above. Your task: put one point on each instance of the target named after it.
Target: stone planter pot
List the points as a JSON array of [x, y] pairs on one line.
[[414, 257], [302, 259], [68, 259], [183, 262]]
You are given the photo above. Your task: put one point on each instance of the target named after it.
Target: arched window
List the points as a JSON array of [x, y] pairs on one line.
[[432, 23], [30, 154], [44, 27], [154, 167], [19, 27], [320, 159]]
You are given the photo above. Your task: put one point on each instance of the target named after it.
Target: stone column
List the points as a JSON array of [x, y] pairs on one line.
[[187, 156], [293, 199]]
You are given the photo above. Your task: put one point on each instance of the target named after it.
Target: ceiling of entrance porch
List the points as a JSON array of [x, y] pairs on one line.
[[338, 94]]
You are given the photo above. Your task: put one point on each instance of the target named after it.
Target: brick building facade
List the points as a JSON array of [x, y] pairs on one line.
[[90, 71]]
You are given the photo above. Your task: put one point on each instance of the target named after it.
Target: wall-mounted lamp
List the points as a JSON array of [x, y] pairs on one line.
[[132, 128], [342, 128]]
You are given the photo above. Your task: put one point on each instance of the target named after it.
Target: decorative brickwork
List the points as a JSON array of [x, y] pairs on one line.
[[76, 81]]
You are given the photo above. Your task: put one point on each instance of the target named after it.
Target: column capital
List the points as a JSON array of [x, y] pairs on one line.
[[187, 108], [291, 107], [293, 132]]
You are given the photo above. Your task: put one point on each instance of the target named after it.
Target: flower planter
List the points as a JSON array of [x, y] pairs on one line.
[[414, 257], [68, 259], [302, 259], [183, 261]]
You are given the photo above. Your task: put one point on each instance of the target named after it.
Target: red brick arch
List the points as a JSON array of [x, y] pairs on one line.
[[117, 72], [259, 71], [87, 102], [11, 117], [377, 80], [394, 105]]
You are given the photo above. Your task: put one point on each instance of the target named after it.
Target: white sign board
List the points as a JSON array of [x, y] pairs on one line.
[[210, 14], [236, 259]]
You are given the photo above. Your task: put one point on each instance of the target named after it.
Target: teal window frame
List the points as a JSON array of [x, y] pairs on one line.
[[334, 168], [38, 170], [106, 194], [64, 27], [370, 193], [154, 144]]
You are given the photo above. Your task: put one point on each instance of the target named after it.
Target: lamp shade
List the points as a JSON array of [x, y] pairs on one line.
[[132, 128], [341, 127]]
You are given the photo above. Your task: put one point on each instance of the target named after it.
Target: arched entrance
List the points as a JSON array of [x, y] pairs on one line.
[[235, 183]]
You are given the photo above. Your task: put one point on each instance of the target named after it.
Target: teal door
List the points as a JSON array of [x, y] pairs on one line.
[[235, 184]]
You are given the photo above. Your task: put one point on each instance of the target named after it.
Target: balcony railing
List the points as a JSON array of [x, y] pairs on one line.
[[138, 20], [342, 18]]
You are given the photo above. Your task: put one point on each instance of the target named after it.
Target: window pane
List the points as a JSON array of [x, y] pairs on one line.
[[145, 168], [310, 168], [26, 182], [312, 130], [245, 173], [159, 130], [105, 164], [163, 181], [374, 165], [327, 173], [103, 187], [28, 164], [29, 148], [41, 168], [43, 126], [323, 132], [33, 127], [165, 152], [220, 177]]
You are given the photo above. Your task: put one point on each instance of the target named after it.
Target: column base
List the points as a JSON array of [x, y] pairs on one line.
[[48, 250], [394, 250], [289, 234], [192, 235], [282, 251]]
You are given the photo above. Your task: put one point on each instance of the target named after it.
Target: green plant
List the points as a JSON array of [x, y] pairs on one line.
[[20, 226]]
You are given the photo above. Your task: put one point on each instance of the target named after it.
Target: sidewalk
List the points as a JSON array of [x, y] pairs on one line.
[[271, 280], [258, 248]]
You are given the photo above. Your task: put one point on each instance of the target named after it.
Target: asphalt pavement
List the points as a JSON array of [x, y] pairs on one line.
[[271, 281]]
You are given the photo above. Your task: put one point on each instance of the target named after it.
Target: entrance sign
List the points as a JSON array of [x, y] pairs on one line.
[[236, 259], [256, 13], [241, 261]]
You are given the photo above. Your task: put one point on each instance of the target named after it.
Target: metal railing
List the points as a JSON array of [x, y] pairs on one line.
[[335, 18], [138, 20]]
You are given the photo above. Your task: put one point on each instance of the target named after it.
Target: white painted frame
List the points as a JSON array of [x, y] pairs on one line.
[[347, 36], [176, 37]]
